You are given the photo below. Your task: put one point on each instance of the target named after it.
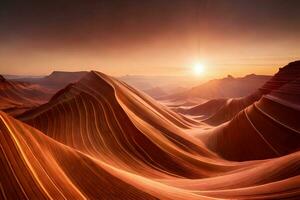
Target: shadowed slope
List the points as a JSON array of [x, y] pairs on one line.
[[34, 166], [228, 87], [203, 110], [101, 139], [271, 125], [17, 97], [231, 108]]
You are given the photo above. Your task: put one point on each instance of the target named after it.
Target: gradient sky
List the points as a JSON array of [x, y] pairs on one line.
[[153, 37]]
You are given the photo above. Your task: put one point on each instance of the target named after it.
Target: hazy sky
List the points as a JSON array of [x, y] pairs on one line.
[[157, 37]]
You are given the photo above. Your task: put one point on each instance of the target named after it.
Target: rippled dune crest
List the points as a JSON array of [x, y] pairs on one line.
[[99, 138]]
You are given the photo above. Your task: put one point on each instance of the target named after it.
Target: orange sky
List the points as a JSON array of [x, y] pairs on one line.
[[150, 38]]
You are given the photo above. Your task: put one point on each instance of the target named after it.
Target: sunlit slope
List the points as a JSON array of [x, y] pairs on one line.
[[34, 166], [109, 120], [101, 139]]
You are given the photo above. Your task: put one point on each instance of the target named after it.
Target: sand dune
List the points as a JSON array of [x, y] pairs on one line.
[[218, 111], [231, 107], [35, 166], [104, 111], [101, 139], [17, 97], [270, 124]]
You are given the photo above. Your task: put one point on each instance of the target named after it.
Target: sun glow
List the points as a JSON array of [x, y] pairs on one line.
[[198, 69]]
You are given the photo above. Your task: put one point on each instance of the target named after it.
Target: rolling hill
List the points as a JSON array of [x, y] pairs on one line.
[[99, 138]]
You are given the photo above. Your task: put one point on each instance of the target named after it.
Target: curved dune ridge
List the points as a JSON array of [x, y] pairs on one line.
[[231, 107], [218, 111], [101, 139], [17, 97], [270, 124]]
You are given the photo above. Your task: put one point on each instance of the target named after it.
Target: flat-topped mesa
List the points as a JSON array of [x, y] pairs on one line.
[[59, 79], [285, 75], [64, 73]]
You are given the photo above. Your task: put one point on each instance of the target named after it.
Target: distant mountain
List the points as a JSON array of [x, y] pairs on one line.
[[159, 92], [17, 97], [19, 77], [267, 127], [220, 110], [169, 84], [61, 78], [140, 82], [228, 87], [55, 81], [155, 92]]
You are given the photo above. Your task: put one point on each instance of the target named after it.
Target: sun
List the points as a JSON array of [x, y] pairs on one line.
[[198, 69]]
